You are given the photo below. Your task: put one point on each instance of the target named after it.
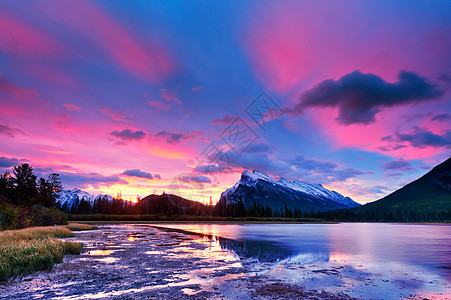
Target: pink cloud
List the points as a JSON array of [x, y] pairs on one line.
[[159, 105], [282, 45], [169, 152], [143, 57], [44, 72], [9, 87], [24, 104], [373, 137], [116, 115], [167, 95], [225, 120], [295, 45], [64, 121], [54, 150], [197, 88], [171, 96], [72, 107], [19, 37]]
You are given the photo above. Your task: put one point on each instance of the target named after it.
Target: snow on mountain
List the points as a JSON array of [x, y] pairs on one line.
[[258, 186], [70, 196]]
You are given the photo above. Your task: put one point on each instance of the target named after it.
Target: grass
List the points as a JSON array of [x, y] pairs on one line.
[[36, 248], [80, 227]]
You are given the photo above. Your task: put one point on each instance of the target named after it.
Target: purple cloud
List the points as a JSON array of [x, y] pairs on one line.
[[197, 179], [177, 136], [128, 135], [445, 77], [398, 165], [359, 97], [441, 117], [258, 147], [84, 180], [313, 164], [212, 168], [9, 162], [421, 138], [322, 171], [140, 174], [11, 132]]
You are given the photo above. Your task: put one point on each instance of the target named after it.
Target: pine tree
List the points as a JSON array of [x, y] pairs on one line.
[[25, 188], [6, 186], [45, 195]]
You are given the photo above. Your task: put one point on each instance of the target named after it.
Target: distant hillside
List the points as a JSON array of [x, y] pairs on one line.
[[168, 204], [266, 191], [430, 192]]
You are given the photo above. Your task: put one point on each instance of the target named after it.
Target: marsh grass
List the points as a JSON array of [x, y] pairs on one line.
[[30, 249], [80, 227]]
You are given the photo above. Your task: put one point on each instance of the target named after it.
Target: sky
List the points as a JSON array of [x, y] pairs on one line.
[[183, 96]]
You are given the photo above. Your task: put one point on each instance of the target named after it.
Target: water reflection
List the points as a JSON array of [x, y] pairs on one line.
[[100, 252], [262, 250], [108, 260], [269, 251], [360, 260], [418, 247]]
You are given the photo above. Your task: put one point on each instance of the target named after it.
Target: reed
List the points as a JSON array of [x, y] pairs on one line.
[[36, 248], [80, 227]]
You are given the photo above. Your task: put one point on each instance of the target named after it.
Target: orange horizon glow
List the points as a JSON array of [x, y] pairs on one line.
[[95, 91]]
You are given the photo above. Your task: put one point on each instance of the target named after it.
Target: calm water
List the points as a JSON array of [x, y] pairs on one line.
[[409, 246]]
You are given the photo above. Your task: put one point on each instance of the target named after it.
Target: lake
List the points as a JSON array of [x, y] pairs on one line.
[[416, 246], [243, 261]]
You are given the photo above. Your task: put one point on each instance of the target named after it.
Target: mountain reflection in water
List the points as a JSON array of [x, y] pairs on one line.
[[417, 247], [267, 251]]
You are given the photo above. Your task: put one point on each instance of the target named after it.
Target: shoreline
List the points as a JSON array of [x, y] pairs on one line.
[[141, 262], [254, 222]]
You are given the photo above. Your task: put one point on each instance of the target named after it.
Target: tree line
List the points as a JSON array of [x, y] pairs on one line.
[[21, 187], [170, 205], [100, 205], [28, 201], [346, 215], [386, 215], [22, 195]]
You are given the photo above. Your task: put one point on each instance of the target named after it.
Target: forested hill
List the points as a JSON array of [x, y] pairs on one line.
[[430, 192]]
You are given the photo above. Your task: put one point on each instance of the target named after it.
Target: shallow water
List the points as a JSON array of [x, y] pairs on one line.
[[232, 261], [415, 246]]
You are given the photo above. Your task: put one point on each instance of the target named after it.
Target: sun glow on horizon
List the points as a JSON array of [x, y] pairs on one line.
[[138, 95]]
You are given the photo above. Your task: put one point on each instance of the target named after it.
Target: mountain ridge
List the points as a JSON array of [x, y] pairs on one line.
[[265, 190], [169, 204], [69, 197], [430, 191]]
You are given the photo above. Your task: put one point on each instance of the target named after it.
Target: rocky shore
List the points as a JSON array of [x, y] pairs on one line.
[[144, 262]]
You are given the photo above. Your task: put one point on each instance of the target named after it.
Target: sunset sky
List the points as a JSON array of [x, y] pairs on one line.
[[148, 97]]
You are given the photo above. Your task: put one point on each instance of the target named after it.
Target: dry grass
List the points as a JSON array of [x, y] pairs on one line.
[[80, 227], [37, 248]]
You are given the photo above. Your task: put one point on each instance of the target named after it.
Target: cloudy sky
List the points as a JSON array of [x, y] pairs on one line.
[[183, 96]]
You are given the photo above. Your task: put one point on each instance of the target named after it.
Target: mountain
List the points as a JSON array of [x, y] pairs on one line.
[[430, 192], [169, 204], [70, 196], [265, 190]]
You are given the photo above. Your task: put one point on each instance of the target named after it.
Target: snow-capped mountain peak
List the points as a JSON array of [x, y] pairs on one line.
[[70, 196], [257, 183]]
